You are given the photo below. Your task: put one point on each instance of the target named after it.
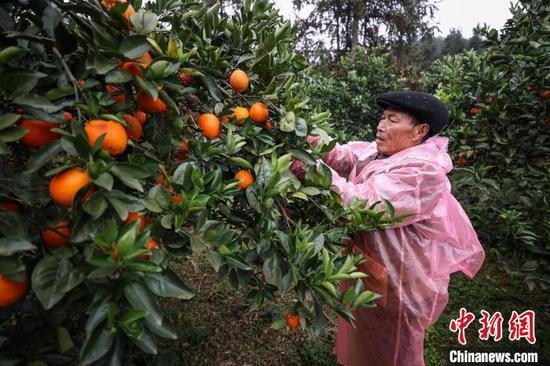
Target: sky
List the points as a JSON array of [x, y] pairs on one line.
[[460, 14]]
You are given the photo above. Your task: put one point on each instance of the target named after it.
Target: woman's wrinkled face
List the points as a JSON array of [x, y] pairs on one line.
[[396, 132]]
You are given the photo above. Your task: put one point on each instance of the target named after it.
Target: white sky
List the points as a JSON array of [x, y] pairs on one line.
[[461, 14]]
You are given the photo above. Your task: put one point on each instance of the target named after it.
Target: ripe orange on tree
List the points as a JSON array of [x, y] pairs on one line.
[[183, 152], [12, 291], [210, 126], [245, 177], [186, 78], [136, 216], [259, 112], [268, 124], [141, 117], [65, 185], [133, 67], [240, 114], [176, 198], [39, 133], [109, 4], [293, 320], [134, 129], [545, 94], [150, 105], [152, 244], [68, 116], [116, 138], [116, 94], [239, 80], [57, 235]]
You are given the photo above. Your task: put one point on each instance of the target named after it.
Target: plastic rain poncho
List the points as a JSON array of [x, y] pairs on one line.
[[409, 264]]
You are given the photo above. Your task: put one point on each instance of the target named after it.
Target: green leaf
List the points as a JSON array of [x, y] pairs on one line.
[[132, 316], [8, 119], [215, 260], [146, 342], [100, 63], [96, 346], [167, 284], [288, 123], [11, 134], [64, 340], [9, 246], [105, 180], [238, 262], [47, 275], [95, 205], [211, 85], [117, 77], [241, 162], [140, 298], [134, 46], [278, 324], [144, 22], [16, 83], [304, 156], [42, 157], [38, 102], [9, 53]]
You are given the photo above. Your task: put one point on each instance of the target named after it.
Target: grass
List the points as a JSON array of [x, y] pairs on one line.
[[218, 327]]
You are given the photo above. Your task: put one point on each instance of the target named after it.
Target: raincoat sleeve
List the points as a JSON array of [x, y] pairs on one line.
[[343, 157], [413, 187]]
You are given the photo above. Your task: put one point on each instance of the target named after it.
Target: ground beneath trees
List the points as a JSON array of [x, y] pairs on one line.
[[217, 327]]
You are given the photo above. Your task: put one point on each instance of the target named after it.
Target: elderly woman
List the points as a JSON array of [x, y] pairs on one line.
[[409, 264]]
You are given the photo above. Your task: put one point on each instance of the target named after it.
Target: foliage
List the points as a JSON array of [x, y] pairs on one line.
[[348, 24], [99, 292], [349, 92], [499, 122]]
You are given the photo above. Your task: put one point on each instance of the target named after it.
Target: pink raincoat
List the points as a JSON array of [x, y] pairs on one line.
[[409, 264]]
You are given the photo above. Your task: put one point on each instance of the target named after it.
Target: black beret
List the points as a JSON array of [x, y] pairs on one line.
[[425, 107]]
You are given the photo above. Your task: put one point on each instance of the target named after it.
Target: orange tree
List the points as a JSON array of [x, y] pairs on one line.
[[499, 134], [122, 147]]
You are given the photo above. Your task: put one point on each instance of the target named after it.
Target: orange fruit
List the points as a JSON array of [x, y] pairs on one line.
[[10, 206], [65, 185], [239, 80], [240, 114], [141, 117], [39, 133], [225, 119], [12, 291], [186, 78], [57, 235], [210, 126], [121, 98], [152, 244], [109, 4], [176, 198], [68, 116], [112, 89], [116, 138], [136, 216], [545, 94], [293, 320], [268, 124], [134, 129], [150, 105], [81, 83], [245, 177], [183, 152], [133, 67], [259, 112], [160, 179], [475, 110]]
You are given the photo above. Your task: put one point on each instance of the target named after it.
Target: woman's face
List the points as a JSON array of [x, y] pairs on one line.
[[396, 132]]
